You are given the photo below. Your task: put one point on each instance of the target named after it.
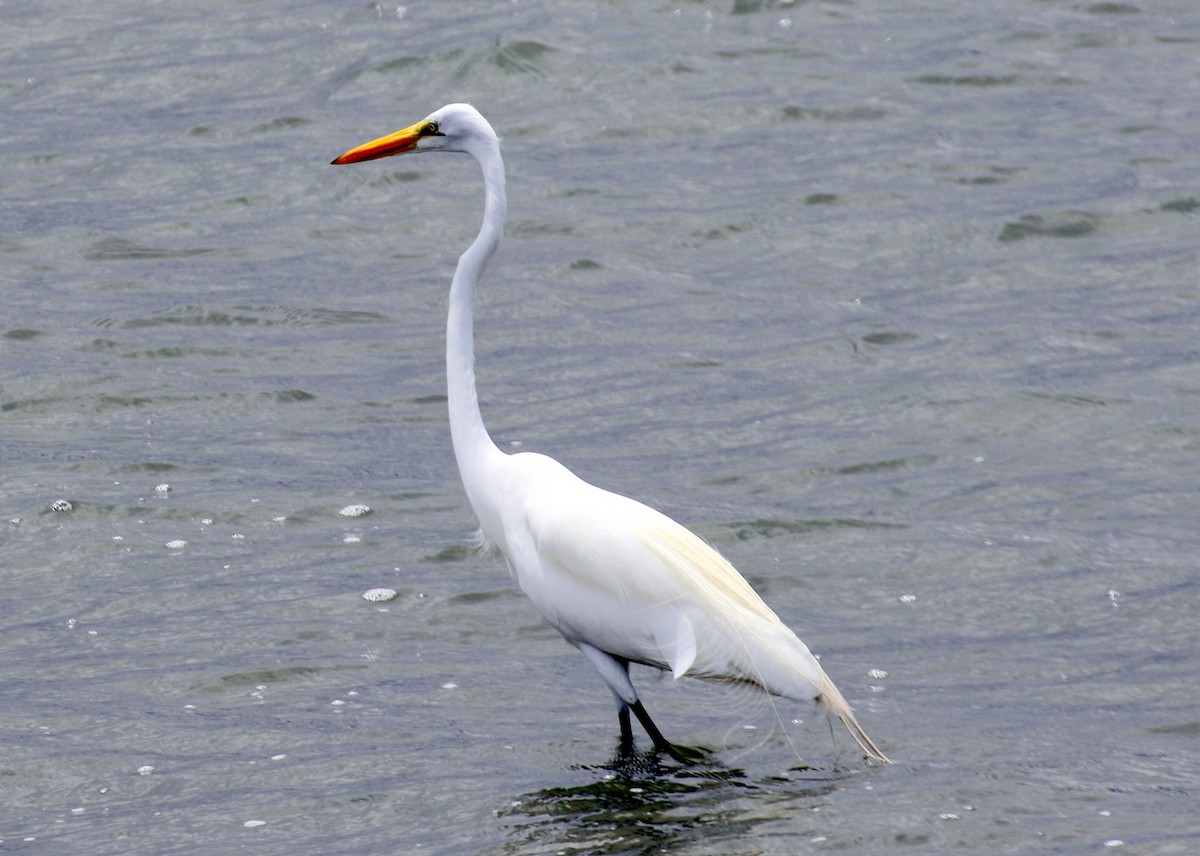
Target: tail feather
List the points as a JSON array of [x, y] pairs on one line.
[[833, 703]]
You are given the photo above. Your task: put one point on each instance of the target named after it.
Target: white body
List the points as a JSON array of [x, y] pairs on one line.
[[611, 572]]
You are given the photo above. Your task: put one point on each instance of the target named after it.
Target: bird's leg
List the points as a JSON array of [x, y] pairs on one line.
[[661, 743], [626, 748], [626, 730], [615, 671]]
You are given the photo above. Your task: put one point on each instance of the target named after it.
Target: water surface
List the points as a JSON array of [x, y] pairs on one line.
[[896, 304]]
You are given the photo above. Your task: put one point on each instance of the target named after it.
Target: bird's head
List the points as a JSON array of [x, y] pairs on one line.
[[453, 128]]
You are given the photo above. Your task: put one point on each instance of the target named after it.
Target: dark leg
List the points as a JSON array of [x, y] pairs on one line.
[[615, 671], [626, 730], [660, 742]]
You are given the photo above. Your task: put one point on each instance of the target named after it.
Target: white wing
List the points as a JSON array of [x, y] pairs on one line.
[[618, 575]]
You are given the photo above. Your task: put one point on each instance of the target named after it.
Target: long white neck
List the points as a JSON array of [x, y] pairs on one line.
[[478, 457]]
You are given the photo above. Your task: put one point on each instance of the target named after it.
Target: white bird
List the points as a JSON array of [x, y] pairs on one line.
[[620, 581]]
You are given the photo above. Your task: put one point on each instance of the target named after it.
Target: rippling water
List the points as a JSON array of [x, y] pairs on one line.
[[897, 304]]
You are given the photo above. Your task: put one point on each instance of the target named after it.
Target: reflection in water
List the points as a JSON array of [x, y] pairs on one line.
[[644, 805]]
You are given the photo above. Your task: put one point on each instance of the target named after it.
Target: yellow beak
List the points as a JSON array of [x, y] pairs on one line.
[[399, 143]]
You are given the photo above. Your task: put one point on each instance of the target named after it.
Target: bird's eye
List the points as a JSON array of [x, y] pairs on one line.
[[431, 130]]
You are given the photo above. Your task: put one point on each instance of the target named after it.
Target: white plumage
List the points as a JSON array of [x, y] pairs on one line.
[[621, 581]]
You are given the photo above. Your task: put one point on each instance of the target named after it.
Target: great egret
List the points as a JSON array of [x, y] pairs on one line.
[[620, 581]]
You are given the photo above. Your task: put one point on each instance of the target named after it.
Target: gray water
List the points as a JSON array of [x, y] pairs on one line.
[[895, 303]]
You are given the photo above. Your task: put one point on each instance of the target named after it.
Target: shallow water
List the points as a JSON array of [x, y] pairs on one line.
[[896, 304]]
